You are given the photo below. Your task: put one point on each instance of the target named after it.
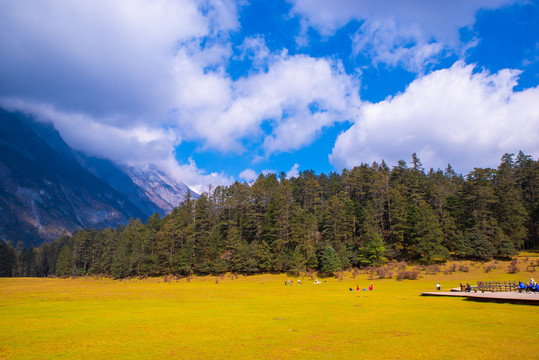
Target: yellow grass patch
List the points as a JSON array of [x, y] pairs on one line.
[[259, 317]]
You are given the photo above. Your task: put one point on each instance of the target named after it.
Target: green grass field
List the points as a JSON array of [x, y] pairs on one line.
[[259, 317]]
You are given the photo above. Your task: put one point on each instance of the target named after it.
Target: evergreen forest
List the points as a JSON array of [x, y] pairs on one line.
[[361, 217]]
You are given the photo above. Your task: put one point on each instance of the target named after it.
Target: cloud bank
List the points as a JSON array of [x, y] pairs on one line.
[[449, 116], [135, 80], [406, 33]]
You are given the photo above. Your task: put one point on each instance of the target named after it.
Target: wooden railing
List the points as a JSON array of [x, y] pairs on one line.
[[496, 286]]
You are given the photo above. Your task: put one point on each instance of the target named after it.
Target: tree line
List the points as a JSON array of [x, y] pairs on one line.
[[361, 217]]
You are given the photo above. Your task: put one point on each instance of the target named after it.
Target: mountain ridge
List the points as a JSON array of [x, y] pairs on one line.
[[48, 189]]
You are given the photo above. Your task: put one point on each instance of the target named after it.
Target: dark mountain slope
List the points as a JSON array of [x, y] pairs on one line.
[[44, 191]]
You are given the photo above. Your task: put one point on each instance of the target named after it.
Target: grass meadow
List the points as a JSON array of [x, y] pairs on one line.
[[258, 317]]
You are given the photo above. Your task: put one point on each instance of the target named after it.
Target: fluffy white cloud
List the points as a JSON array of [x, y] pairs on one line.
[[248, 175], [129, 80], [293, 172], [447, 115], [408, 33], [137, 145], [439, 18], [386, 42], [197, 179], [101, 56], [297, 96], [106, 73]]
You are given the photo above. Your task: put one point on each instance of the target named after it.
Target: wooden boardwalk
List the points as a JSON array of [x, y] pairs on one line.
[[499, 297]]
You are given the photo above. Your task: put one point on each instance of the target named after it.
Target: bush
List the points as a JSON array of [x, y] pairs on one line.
[[464, 268], [409, 275], [513, 268], [432, 269], [383, 272]]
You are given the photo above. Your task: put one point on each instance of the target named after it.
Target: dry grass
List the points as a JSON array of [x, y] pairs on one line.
[[260, 317]]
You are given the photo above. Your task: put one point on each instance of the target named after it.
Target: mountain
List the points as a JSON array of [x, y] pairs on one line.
[[149, 189], [47, 188]]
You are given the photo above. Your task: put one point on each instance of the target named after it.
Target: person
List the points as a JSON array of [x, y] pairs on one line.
[[438, 286], [357, 288], [351, 289], [299, 281], [370, 287], [468, 287]]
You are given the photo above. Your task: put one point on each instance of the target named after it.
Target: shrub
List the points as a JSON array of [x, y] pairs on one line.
[[464, 268], [383, 272], [488, 268], [432, 269], [409, 275], [513, 268]]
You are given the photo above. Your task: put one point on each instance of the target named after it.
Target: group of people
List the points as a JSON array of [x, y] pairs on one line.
[[288, 282], [370, 288], [532, 286]]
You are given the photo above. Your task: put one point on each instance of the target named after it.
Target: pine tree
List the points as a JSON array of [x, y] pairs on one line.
[[8, 259], [64, 264], [429, 236], [329, 261]]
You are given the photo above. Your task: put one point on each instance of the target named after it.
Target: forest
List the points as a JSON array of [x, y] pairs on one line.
[[362, 217]]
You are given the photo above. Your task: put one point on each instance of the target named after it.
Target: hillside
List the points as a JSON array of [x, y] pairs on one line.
[[46, 188]]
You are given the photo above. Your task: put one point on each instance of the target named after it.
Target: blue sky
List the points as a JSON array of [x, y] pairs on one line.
[[214, 91]]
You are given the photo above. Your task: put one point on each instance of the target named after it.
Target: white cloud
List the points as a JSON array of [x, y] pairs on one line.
[[297, 96], [386, 42], [248, 175], [197, 179], [449, 116], [129, 80], [137, 145], [408, 33], [132, 145], [266, 172], [109, 74], [100, 56], [293, 172], [438, 18], [255, 49]]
